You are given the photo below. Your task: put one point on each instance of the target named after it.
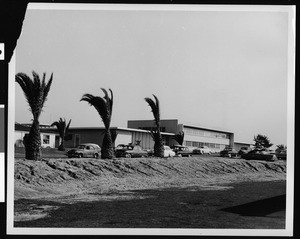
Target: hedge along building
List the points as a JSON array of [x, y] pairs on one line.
[[80, 135], [194, 136]]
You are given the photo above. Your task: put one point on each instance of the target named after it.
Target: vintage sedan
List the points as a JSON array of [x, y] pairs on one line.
[[260, 154], [244, 150], [130, 151], [281, 154], [87, 150], [168, 152], [228, 152], [202, 150], [182, 151]]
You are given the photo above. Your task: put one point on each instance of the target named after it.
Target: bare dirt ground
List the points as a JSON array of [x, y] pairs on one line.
[[150, 192]]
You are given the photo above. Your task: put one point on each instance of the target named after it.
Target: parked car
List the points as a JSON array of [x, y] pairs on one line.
[[228, 152], [260, 154], [281, 154], [182, 151], [130, 151], [85, 150], [202, 150], [168, 152], [244, 150]]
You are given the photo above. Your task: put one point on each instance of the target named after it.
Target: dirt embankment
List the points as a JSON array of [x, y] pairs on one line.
[[63, 177]]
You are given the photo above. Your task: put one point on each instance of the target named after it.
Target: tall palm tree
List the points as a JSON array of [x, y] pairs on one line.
[[104, 106], [156, 135], [62, 128], [36, 92]]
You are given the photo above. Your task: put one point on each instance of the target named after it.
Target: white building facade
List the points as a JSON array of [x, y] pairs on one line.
[[49, 138], [194, 136]]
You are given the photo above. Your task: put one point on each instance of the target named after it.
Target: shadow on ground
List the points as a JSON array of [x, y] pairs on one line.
[[260, 208], [171, 208]]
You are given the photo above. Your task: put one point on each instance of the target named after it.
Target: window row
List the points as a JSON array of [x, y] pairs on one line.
[[162, 129], [199, 144], [206, 133]]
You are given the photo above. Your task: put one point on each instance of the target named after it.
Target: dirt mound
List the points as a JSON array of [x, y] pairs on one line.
[[58, 177]]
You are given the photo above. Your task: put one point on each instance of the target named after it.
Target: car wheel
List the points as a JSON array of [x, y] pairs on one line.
[[179, 155], [96, 155], [128, 155], [80, 155]]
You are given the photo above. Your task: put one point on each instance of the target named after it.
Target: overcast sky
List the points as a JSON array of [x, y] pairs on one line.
[[219, 69]]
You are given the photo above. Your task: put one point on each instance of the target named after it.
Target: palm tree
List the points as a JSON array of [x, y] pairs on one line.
[[156, 135], [62, 129], [104, 106], [36, 92]]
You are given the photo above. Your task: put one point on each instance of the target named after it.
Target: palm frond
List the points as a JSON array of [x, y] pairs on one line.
[[111, 100], [47, 87], [26, 85], [61, 126], [155, 109], [68, 125], [99, 104], [34, 90]]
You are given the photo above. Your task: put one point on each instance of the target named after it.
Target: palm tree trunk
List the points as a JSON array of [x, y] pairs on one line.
[[61, 147], [107, 150], [33, 142], [158, 145]]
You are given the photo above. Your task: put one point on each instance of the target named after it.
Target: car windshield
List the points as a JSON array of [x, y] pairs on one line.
[[81, 146]]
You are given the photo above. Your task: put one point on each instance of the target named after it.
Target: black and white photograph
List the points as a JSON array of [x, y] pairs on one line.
[[133, 119]]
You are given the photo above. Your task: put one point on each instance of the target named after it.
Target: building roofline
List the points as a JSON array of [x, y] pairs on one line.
[[26, 128], [152, 120], [140, 130], [190, 125], [238, 142], [207, 128], [117, 128]]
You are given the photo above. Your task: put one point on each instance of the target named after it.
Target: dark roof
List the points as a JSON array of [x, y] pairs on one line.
[[43, 128]]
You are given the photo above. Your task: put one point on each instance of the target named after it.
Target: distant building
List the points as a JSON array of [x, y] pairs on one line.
[[79, 135], [49, 135], [239, 145], [137, 131], [194, 136]]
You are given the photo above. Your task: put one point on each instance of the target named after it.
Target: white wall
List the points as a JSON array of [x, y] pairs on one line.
[[51, 143], [123, 137], [20, 134], [206, 139], [145, 138], [19, 137]]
